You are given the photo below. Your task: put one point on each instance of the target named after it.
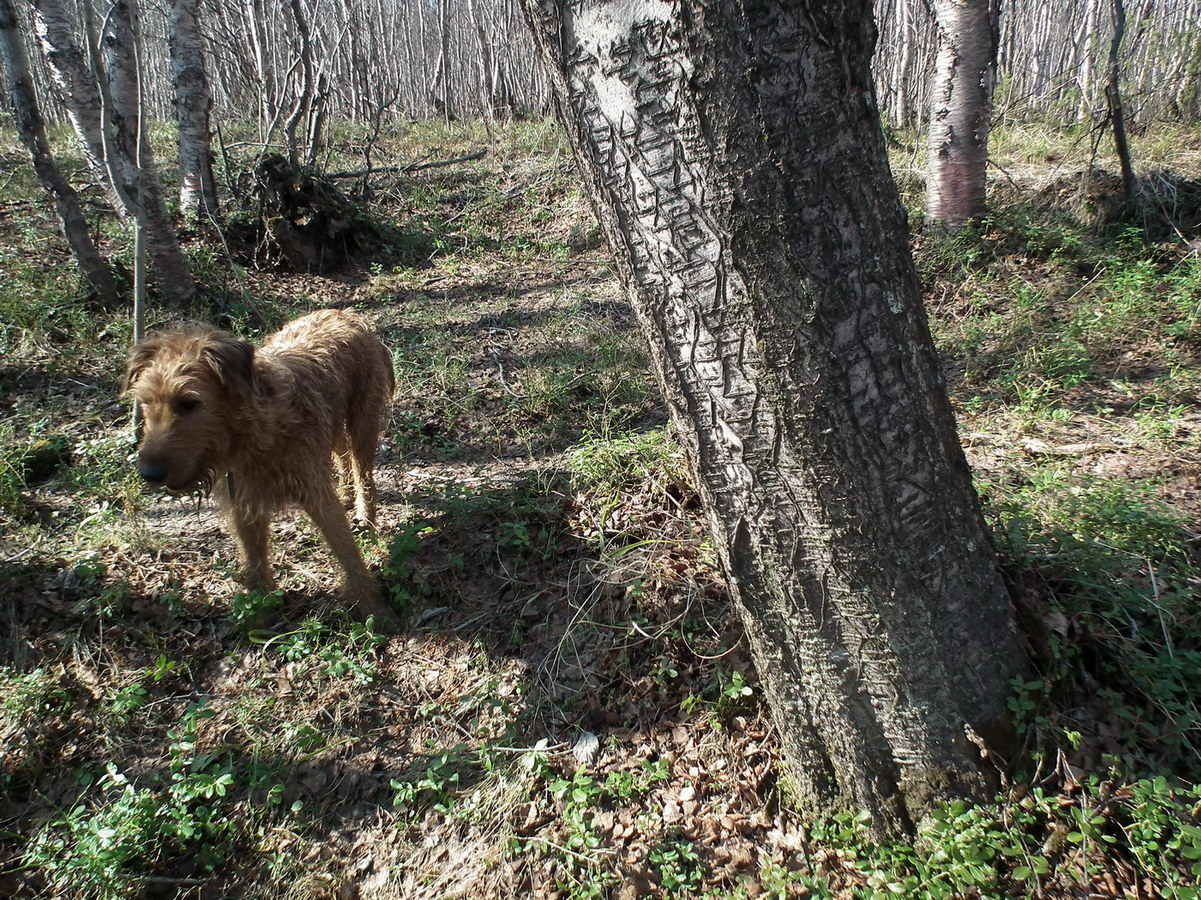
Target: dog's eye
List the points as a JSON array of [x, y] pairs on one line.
[[186, 405]]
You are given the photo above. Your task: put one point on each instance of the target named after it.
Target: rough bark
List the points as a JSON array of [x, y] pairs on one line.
[[193, 104], [32, 130], [736, 161], [961, 103]]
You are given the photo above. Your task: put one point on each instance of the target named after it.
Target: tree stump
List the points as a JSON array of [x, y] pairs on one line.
[[301, 221]]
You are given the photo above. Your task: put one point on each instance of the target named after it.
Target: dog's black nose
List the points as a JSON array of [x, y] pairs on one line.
[[152, 472]]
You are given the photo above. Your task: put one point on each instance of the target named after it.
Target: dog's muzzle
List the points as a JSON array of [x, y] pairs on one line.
[[154, 473]]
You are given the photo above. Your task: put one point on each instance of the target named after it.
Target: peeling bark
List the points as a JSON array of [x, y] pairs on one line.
[[735, 159], [32, 131], [961, 104]]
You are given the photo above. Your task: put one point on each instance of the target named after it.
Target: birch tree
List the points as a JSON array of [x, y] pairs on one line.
[[103, 102], [193, 104], [961, 107], [134, 162], [31, 129], [735, 159]]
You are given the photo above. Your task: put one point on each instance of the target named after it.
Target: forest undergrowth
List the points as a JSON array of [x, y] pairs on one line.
[[570, 710]]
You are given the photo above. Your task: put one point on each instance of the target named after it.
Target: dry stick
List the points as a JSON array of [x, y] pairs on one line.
[[139, 237], [405, 170]]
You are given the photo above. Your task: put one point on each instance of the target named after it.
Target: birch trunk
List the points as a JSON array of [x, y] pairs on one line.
[[134, 167], [193, 104], [735, 158], [77, 86], [961, 103], [32, 131], [107, 128]]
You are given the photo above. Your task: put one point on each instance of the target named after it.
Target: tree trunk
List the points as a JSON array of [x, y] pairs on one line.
[[304, 99], [103, 108], [961, 103], [135, 169], [1117, 116], [736, 161], [77, 87], [193, 104], [32, 131]]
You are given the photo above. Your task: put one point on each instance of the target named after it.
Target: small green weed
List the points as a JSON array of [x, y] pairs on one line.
[[1024, 844], [726, 695], [353, 653], [398, 569], [109, 847], [439, 783], [32, 695], [580, 797], [677, 866], [254, 606]]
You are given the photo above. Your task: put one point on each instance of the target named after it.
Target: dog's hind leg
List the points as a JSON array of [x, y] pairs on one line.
[[363, 424], [344, 466], [359, 588]]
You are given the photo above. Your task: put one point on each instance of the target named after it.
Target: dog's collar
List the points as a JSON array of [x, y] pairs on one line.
[[229, 485]]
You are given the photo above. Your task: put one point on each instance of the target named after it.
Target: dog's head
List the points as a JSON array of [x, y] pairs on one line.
[[191, 383]]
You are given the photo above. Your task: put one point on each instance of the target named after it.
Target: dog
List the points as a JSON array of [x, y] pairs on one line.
[[264, 429]]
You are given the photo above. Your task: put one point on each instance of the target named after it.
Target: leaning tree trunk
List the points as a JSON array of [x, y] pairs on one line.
[[735, 159], [32, 131], [107, 128], [1117, 116], [193, 104], [136, 170], [961, 102]]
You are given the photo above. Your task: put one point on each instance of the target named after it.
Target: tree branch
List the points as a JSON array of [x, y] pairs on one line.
[[414, 167]]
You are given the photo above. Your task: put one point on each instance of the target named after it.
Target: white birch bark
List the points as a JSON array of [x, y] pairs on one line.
[[961, 99], [103, 106], [18, 83], [134, 166], [193, 103]]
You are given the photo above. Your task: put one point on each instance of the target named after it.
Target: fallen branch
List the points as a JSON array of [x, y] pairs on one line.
[[412, 167], [1037, 447]]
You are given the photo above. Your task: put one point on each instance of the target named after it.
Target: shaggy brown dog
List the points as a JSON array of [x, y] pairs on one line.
[[263, 429]]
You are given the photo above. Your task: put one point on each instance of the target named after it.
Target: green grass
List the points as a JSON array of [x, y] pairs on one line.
[[1122, 622]]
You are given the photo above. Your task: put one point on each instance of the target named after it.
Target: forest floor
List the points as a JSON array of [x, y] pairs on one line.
[[570, 709]]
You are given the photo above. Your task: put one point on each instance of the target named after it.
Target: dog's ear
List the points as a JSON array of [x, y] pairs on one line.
[[140, 358], [232, 361]]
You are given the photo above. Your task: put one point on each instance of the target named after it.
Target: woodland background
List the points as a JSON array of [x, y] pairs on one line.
[[571, 710]]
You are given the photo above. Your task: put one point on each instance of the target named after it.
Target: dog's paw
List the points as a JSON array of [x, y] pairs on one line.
[[368, 603]]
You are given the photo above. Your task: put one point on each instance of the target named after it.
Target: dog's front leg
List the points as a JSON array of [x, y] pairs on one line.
[[358, 587], [252, 532]]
